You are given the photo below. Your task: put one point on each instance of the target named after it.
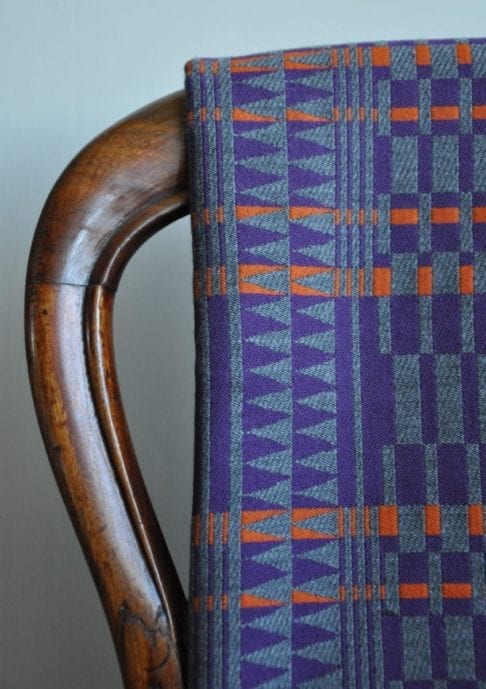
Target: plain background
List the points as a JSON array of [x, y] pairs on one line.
[[68, 69]]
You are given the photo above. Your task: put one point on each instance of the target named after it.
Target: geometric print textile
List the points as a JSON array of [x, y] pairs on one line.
[[339, 241]]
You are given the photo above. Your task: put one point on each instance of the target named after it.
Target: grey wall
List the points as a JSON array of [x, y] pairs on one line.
[[68, 69]]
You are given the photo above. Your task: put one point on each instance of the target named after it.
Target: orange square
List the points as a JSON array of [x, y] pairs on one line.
[[414, 591], [381, 282], [476, 520], [432, 520], [380, 56], [388, 520], [463, 52], [479, 112], [479, 214], [456, 590], [445, 112], [466, 279], [422, 55], [404, 216], [424, 281], [404, 114], [445, 214]]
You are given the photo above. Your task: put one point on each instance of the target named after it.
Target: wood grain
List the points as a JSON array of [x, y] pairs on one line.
[[127, 184]]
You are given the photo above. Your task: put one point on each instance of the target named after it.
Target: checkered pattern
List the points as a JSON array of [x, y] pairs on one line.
[[339, 234]]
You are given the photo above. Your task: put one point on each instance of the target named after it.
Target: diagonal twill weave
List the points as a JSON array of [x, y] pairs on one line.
[[339, 234]]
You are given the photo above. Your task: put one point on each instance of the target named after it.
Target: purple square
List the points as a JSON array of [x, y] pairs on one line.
[[452, 474], [405, 324], [410, 474]]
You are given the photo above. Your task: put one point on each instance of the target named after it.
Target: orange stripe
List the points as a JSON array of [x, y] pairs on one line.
[[352, 521], [209, 283], [367, 590], [252, 516], [298, 212], [240, 115], [367, 521], [380, 56], [222, 279], [444, 112], [340, 523], [247, 600], [463, 52], [225, 528], [211, 528], [301, 116], [388, 520], [304, 597], [293, 64], [479, 214], [479, 112], [361, 282], [381, 282], [243, 212], [445, 214], [432, 520], [414, 590], [456, 590], [404, 114], [476, 520], [466, 279], [404, 216], [422, 55], [424, 281]]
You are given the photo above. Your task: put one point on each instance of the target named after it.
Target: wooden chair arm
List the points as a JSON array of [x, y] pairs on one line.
[[127, 184]]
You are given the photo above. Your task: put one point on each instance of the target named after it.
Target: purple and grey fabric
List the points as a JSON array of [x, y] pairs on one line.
[[339, 235]]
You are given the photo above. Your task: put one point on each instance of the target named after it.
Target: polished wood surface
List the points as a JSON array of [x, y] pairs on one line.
[[126, 185]]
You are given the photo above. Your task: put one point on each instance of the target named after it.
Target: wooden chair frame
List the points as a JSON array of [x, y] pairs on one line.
[[123, 187]]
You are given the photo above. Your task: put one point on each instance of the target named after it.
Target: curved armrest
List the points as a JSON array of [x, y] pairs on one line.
[[128, 183]]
